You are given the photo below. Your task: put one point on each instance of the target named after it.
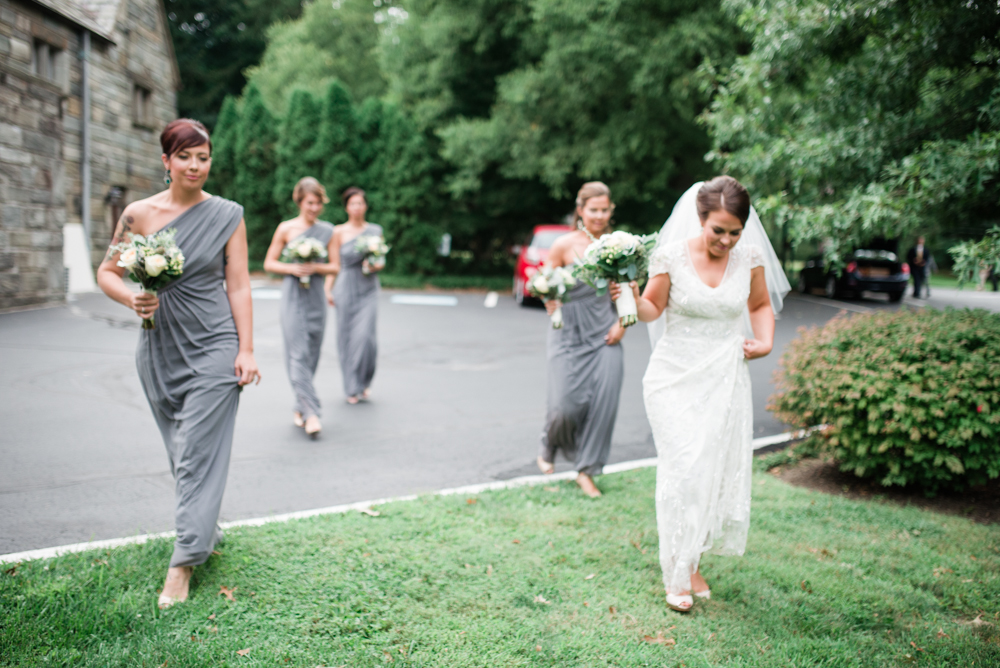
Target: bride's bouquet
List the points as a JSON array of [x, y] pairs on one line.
[[552, 283], [374, 249], [300, 251], [152, 262], [620, 257]]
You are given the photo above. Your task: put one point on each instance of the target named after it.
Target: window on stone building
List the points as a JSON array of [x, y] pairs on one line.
[[47, 61], [142, 106]]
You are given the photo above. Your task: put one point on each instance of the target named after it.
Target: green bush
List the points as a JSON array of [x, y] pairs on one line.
[[910, 397]]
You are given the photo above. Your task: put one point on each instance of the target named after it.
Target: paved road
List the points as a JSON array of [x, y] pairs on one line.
[[458, 399]]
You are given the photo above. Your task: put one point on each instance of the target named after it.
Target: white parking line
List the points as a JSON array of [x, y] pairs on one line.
[[491, 300], [425, 300], [528, 480]]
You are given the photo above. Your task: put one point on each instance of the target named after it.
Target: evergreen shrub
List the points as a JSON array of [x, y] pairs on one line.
[[909, 397]]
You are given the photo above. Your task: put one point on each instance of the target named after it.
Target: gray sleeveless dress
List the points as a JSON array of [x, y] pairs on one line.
[[356, 296], [187, 370], [303, 322], [585, 382]]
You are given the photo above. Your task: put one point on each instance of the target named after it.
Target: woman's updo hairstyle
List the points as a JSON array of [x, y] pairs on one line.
[[590, 190], [184, 133], [351, 192], [724, 193], [307, 185]]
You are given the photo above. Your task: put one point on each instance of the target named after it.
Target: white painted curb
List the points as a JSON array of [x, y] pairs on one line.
[[528, 480]]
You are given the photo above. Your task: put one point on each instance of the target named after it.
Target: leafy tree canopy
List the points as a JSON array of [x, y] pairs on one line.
[[855, 119], [333, 40], [215, 42], [612, 94]]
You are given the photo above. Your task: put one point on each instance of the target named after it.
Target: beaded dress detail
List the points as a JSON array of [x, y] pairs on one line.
[[697, 396]]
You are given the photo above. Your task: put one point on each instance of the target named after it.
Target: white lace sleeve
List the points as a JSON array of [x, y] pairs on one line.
[[756, 257], [661, 261]]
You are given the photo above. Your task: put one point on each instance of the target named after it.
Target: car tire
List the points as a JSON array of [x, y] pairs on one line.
[[896, 297], [801, 287], [519, 291], [830, 289]]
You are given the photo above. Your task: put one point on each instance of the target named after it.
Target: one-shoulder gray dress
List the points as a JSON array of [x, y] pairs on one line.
[[356, 298], [303, 322], [187, 370], [585, 381]]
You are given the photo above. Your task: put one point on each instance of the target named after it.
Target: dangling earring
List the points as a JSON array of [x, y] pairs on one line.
[[166, 178]]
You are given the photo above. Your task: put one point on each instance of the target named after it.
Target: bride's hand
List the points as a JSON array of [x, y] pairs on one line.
[[615, 290], [551, 306], [754, 348]]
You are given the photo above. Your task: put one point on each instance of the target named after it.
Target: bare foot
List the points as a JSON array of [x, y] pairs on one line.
[[352, 400], [297, 419], [313, 426], [175, 587], [544, 466], [699, 587], [586, 483], [367, 394]]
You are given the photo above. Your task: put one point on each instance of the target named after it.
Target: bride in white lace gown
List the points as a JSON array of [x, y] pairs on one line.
[[697, 385]]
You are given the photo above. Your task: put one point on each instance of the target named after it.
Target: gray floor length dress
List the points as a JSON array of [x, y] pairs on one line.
[[187, 370], [585, 382], [303, 323], [356, 297]]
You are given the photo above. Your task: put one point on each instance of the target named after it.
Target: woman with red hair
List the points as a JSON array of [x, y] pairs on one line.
[[198, 357]]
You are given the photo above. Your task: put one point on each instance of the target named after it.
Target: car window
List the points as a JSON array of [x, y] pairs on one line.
[[547, 238]]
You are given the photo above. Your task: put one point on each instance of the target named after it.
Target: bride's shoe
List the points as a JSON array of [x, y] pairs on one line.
[[545, 467], [706, 594], [680, 602], [297, 420]]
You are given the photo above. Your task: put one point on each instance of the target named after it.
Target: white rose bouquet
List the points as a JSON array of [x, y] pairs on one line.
[[374, 249], [620, 257], [306, 249], [552, 283], [152, 262]]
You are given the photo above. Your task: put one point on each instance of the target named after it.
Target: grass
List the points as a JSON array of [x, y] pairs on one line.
[[530, 577]]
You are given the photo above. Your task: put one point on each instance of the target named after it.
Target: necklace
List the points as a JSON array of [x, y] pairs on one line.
[[583, 228]]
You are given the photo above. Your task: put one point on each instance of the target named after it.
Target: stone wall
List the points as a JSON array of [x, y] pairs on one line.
[[40, 136], [34, 195], [126, 154]]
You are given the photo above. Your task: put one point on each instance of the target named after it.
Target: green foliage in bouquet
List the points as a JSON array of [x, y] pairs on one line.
[[911, 397], [618, 257]]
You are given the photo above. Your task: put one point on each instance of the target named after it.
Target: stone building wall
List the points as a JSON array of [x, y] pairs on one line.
[[40, 133], [35, 197]]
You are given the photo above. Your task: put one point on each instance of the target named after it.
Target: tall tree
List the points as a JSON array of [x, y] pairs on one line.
[[294, 148], [255, 166], [223, 175], [855, 119], [215, 42], [336, 147], [334, 40], [396, 169]]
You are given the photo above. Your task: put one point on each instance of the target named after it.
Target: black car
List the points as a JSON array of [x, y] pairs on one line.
[[864, 270]]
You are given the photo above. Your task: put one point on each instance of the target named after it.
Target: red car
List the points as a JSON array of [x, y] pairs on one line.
[[532, 256]]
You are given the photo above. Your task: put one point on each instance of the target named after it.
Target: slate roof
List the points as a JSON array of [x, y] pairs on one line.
[[97, 16]]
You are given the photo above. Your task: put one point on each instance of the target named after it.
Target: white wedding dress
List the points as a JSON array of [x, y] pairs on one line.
[[697, 395]]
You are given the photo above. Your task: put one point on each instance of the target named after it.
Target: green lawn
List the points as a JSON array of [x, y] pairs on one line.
[[530, 577]]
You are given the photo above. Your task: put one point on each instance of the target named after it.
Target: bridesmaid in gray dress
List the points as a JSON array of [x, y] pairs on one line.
[[303, 307], [193, 365], [585, 360], [355, 294]]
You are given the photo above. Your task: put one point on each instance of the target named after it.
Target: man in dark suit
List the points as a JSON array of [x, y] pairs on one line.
[[919, 258]]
